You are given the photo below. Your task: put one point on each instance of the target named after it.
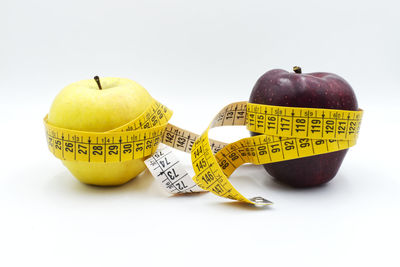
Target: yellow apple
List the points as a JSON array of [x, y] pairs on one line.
[[84, 106]]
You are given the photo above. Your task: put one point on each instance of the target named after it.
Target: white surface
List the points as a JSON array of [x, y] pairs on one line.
[[186, 52]]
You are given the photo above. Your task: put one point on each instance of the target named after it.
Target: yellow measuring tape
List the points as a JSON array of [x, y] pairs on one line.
[[134, 140], [286, 133]]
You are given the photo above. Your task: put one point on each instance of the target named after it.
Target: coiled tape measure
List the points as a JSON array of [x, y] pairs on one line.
[[286, 133]]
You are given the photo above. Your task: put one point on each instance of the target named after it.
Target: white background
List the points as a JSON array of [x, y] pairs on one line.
[[195, 57]]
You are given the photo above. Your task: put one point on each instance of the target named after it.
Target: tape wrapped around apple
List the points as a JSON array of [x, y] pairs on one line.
[[309, 90], [94, 106]]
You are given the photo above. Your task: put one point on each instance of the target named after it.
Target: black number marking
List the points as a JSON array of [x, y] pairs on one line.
[[169, 137], [97, 150], [207, 177], [304, 142], [181, 185], [201, 164], [113, 150], [224, 164], [289, 144], [172, 174], [58, 144], [319, 142], [69, 147], [82, 149], [275, 148], [329, 127], [262, 150], [127, 148], [149, 144], [139, 146], [233, 156], [164, 162]]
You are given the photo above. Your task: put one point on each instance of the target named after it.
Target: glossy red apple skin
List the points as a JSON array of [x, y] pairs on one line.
[[314, 90]]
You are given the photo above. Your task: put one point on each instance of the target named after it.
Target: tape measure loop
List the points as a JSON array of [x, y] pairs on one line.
[[286, 133]]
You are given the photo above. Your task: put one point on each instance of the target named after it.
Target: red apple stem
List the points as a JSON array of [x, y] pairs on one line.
[[97, 79], [297, 69]]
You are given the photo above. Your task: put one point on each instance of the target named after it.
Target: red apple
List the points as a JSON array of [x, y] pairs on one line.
[[309, 90]]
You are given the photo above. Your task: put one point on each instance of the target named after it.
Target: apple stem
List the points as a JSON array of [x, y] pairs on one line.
[[97, 79], [297, 69]]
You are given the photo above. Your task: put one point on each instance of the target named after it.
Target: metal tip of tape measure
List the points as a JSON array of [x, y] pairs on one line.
[[260, 201]]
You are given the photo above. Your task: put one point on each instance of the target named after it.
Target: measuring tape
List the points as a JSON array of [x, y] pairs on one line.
[[286, 133], [134, 140]]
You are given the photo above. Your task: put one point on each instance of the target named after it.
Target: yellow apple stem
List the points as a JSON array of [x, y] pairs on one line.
[[297, 69], [97, 79]]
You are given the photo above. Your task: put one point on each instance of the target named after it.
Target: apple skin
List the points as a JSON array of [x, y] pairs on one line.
[[310, 90], [82, 106]]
